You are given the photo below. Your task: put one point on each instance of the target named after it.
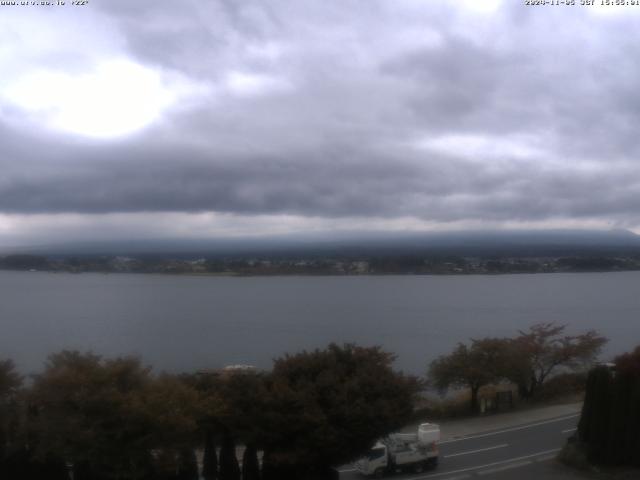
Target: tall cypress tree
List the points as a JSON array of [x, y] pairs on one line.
[[615, 447], [626, 415], [187, 465], [610, 421], [599, 417], [633, 427], [268, 472], [585, 422], [210, 459], [229, 468], [250, 465]]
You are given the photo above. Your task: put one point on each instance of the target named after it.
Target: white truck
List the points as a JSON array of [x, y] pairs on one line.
[[402, 452]]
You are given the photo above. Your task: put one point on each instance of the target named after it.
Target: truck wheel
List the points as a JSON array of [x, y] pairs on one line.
[[379, 473], [418, 468]]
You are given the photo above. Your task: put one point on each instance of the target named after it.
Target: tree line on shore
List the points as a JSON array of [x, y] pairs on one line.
[[115, 419], [315, 264]]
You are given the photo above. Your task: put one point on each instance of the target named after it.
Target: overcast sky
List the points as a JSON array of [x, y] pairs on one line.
[[128, 119]]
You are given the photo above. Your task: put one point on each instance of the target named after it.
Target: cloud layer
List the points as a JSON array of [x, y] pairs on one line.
[[408, 114]]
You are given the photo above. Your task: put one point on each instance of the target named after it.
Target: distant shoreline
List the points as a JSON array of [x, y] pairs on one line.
[[309, 274]]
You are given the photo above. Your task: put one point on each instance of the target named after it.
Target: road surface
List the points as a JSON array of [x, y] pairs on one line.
[[514, 452]]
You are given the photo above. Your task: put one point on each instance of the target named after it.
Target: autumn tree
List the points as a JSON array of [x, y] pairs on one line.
[[168, 410], [10, 380], [17, 458], [326, 407], [545, 349], [10, 383], [107, 416], [471, 366]]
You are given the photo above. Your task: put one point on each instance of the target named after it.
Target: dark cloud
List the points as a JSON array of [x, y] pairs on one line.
[[324, 183], [341, 109]]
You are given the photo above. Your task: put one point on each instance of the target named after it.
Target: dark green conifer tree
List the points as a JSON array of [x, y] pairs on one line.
[[616, 448], [210, 459], [229, 468], [599, 418], [187, 465], [610, 421], [633, 428], [584, 424], [250, 465]]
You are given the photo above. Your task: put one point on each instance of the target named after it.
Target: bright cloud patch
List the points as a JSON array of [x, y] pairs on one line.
[[251, 84], [58, 228], [482, 147], [117, 97], [483, 6]]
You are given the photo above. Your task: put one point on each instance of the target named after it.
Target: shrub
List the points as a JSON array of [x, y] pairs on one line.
[[563, 385], [574, 454]]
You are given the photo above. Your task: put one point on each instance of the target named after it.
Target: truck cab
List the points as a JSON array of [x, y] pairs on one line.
[[375, 462], [402, 452]]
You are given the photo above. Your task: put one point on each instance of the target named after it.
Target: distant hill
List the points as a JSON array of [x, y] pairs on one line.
[[499, 243]]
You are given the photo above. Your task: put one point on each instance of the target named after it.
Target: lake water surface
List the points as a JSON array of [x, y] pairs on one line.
[[186, 322]]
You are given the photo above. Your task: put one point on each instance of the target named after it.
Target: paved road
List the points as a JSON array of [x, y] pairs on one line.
[[497, 454]]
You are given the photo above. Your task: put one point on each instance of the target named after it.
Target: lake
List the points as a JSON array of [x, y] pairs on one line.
[[181, 323]]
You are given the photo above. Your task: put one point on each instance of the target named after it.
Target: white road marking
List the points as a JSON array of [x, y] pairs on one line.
[[476, 451], [505, 467], [347, 470], [546, 458], [479, 467], [459, 477], [513, 429], [569, 430]]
